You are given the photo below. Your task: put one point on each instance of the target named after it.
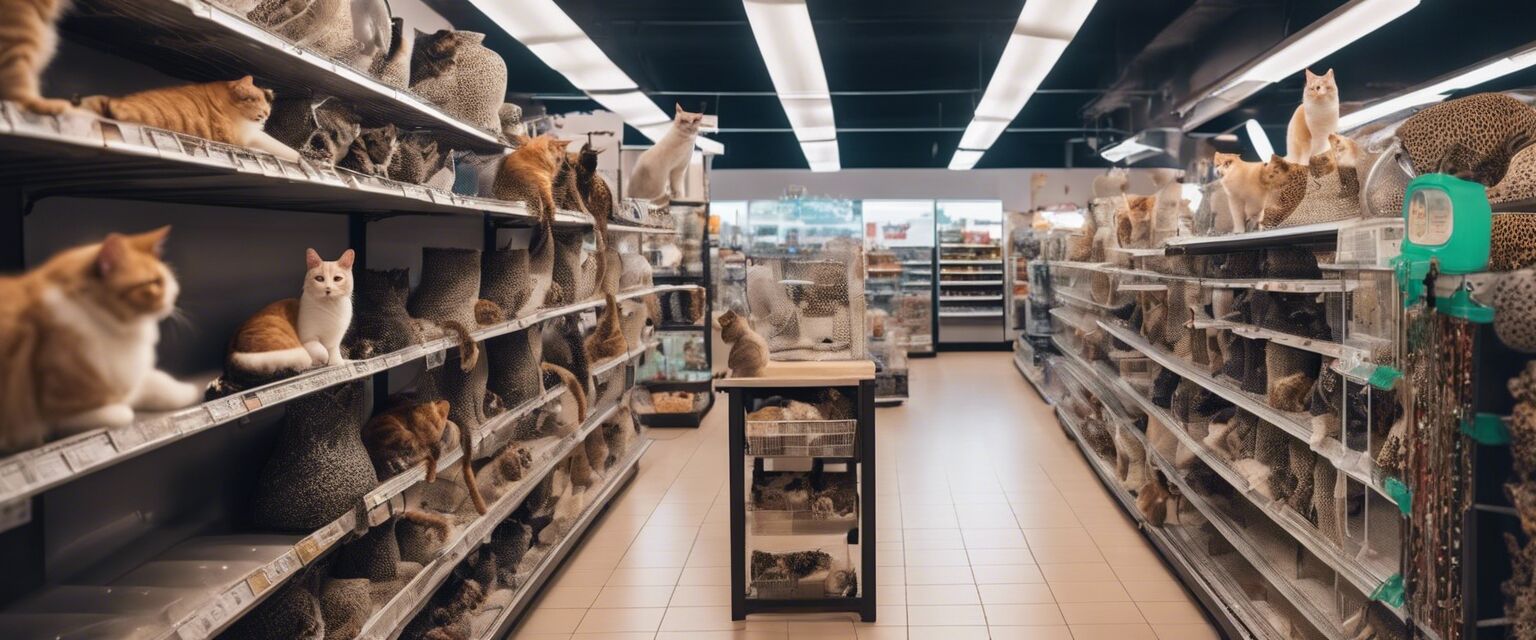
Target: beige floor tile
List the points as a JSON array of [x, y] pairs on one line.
[[945, 615], [518, 635], [1142, 571], [644, 577], [888, 616], [1112, 632], [632, 635], [1024, 615], [987, 557], [708, 557], [976, 632], [1089, 592], [713, 619], [621, 620], [630, 597], [543, 620], [597, 558], [701, 576], [569, 577], [937, 558], [1055, 555], [1057, 537], [723, 635], [1078, 572], [993, 539], [938, 594], [938, 575], [1155, 590], [642, 557], [889, 576], [1031, 633], [880, 632], [1185, 632], [1015, 594], [1101, 613], [1171, 612], [980, 497], [701, 596], [568, 597], [829, 630], [1131, 553], [1008, 574]]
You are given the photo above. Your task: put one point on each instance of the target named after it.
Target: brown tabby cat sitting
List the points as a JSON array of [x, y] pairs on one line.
[[77, 340], [231, 112], [405, 434], [749, 352]]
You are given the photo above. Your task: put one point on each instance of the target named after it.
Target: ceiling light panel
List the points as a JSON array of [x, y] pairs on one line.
[[1041, 35], [1440, 89], [788, 45], [555, 39], [1335, 30]]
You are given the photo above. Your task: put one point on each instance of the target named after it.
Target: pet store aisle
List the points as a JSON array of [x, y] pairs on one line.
[[990, 523]]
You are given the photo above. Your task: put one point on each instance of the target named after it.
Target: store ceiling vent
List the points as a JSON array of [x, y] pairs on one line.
[[1159, 147]]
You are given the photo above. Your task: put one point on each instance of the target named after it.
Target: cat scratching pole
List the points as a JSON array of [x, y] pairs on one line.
[[827, 445]]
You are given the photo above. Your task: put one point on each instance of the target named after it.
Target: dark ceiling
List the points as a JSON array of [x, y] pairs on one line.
[[906, 74]]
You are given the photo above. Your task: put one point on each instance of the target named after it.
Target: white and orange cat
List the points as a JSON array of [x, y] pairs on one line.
[[1244, 184], [232, 112], [295, 334], [658, 172], [77, 340], [1314, 120]]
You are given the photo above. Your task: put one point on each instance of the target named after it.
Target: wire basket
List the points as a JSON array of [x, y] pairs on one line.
[[801, 438]]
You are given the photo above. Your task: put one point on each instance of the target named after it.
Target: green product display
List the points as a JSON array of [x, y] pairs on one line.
[[1449, 225]]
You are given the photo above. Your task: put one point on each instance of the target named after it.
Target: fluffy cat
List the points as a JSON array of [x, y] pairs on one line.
[[1133, 221], [1257, 474], [658, 172], [567, 194], [527, 175], [1314, 120], [1244, 184], [607, 340], [28, 38], [749, 351], [295, 334], [231, 112], [77, 340], [405, 434]]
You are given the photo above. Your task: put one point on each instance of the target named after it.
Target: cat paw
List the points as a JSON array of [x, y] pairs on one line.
[[112, 416], [45, 106], [317, 353]]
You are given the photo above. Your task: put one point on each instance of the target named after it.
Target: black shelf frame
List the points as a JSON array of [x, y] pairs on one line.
[[864, 535], [702, 279]]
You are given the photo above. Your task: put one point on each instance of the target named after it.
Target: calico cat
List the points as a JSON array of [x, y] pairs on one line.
[[1285, 183], [404, 434], [658, 172], [749, 351], [1315, 120], [373, 151], [607, 340], [294, 334], [28, 38], [77, 340], [1245, 190], [231, 112]]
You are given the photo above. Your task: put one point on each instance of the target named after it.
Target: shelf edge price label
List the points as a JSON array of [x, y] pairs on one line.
[[49, 467], [225, 409], [436, 359], [89, 452]]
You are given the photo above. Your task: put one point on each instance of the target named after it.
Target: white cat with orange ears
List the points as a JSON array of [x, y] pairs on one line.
[[1314, 120], [658, 172]]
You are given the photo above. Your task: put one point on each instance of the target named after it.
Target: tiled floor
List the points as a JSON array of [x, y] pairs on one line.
[[990, 524]]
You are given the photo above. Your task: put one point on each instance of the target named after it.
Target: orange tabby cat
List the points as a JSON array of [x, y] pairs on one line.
[[232, 112], [28, 37], [1245, 190], [77, 340], [405, 434], [607, 340], [527, 175]]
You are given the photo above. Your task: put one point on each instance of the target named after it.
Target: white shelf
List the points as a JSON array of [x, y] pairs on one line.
[[945, 261], [971, 283], [37, 470], [1070, 296], [226, 45], [389, 620], [983, 272], [970, 314], [1254, 239], [1354, 464], [970, 298], [614, 227], [75, 154]]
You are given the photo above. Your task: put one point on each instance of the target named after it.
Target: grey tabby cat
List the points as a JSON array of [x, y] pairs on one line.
[[373, 151], [417, 159]]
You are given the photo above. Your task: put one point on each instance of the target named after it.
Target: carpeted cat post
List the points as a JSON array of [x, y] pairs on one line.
[[380, 322], [375, 556], [506, 280], [514, 366], [510, 542], [449, 287], [345, 605], [319, 469], [568, 269], [292, 612]]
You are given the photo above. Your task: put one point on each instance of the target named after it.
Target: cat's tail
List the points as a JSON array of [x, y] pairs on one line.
[[266, 363], [574, 386], [466, 445], [429, 520], [469, 350]]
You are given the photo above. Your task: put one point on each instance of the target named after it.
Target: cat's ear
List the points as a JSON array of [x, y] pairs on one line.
[[112, 253], [678, 109], [1328, 74], [346, 259], [311, 259], [1275, 159], [246, 81], [151, 242]]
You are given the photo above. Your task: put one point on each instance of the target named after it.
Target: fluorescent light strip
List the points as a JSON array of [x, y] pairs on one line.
[[788, 45], [552, 36], [1319, 40], [1440, 89], [1259, 140], [1044, 30]]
